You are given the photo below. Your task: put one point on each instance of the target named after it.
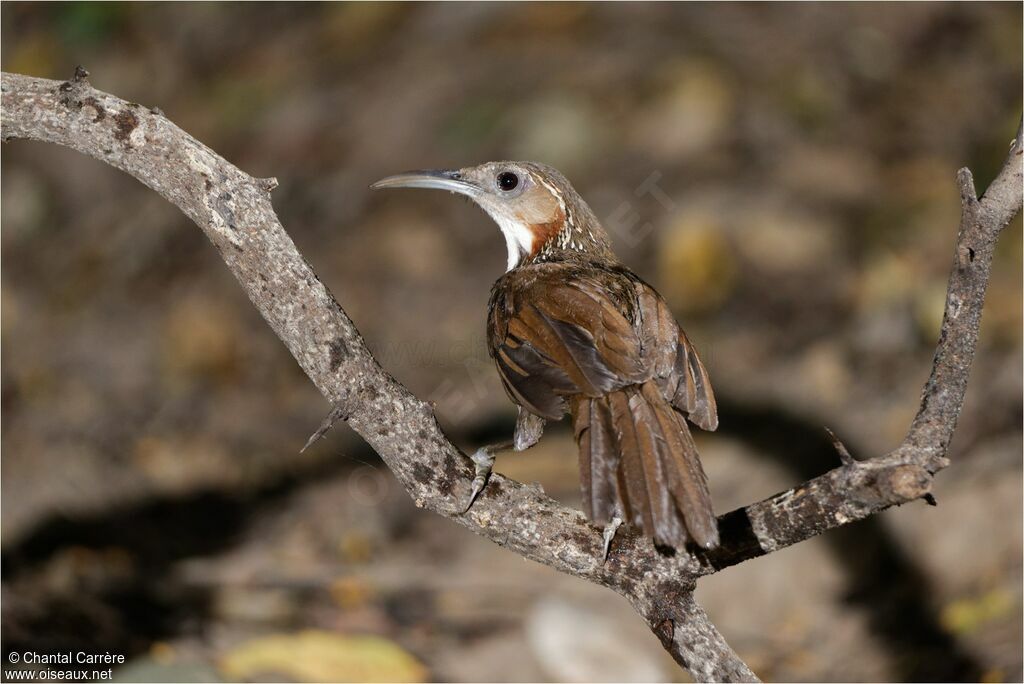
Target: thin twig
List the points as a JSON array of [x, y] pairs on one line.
[[845, 457]]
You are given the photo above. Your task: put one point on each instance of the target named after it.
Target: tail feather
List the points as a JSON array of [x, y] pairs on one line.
[[599, 458], [637, 455], [667, 528], [581, 417], [686, 478], [639, 510]]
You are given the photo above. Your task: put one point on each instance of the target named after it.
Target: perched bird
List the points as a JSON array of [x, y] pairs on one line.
[[573, 330]]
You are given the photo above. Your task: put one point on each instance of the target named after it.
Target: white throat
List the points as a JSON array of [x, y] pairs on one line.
[[518, 239]]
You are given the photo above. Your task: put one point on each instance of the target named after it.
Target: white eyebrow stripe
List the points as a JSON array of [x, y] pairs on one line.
[[554, 191]]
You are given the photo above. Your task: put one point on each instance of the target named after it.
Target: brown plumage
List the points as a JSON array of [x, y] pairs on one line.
[[572, 330], [594, 339]]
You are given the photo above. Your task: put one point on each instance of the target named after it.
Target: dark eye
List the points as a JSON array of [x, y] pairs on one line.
[[507, 180]]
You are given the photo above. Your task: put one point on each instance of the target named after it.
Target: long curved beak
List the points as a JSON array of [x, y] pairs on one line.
[[434, 179]]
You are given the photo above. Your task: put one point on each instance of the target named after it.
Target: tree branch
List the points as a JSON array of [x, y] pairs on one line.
[[235, 212]]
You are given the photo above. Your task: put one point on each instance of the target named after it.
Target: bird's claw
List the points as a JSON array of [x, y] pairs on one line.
[[483, 461], [609, 533]]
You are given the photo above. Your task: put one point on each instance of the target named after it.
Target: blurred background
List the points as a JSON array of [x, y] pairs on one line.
[[783, 174]]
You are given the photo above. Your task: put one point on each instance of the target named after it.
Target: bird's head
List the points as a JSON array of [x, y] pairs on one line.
[[538, 211]]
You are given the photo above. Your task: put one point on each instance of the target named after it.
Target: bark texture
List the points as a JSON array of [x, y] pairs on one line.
[[235, 211]]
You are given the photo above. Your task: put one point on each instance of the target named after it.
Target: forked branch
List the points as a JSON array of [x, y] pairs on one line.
[[235, 212]]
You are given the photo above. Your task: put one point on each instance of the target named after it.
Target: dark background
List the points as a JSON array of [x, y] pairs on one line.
[[154, 501]]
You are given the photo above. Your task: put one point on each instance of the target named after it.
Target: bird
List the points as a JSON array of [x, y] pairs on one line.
[[572, 330]]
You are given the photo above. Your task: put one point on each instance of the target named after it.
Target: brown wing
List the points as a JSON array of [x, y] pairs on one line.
[[694, 396], [553, 337], [555, 331], [605, 344], [679, 371]]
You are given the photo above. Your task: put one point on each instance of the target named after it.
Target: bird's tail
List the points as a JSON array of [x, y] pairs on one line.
[[637, 455]]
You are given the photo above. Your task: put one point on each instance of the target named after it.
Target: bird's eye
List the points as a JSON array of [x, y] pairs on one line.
[[507, 180]]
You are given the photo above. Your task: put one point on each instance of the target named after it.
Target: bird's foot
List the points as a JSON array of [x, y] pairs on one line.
[[609, 533], [483, 462]]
